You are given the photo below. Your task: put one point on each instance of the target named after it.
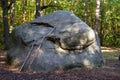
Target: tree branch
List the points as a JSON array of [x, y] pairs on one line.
[[47, 6]]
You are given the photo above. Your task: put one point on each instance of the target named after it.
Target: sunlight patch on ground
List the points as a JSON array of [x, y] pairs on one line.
[[110, 49]]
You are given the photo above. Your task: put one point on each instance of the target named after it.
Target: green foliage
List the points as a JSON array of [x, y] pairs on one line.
[[111, 23]]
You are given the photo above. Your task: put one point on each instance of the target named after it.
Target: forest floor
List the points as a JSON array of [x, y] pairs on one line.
[[111, 70]]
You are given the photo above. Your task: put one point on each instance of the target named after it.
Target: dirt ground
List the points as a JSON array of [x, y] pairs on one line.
[[111, 71]]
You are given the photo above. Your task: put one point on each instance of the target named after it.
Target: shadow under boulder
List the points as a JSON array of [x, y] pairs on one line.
[[56, 41]]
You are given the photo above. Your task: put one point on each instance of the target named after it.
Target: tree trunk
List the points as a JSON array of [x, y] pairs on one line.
[[86, 10], [97, 15], [12, 15], [24, 10], [42, 11], [37, 14], [5, 23], [102, 22]]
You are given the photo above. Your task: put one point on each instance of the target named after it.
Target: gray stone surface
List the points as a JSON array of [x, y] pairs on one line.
[[56, 41]]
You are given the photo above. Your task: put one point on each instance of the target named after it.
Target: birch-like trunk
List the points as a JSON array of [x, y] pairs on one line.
[[24, 10], [12, 15], [86, 11], [97, 15]]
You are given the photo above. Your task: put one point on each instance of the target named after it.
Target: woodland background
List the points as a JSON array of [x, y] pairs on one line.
[[102, 15]]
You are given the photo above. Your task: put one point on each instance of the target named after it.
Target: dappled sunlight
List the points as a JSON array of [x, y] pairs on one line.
[[61, 50], [110, 49], [68, 44], [2, 57], [2, 62], [87, 63], [110, 52], [109, 71], [62, 42]]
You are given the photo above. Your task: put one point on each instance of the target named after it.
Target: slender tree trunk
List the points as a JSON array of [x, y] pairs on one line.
[[86, 10], [5, 22], [102, 22], [37, 14], [42, 11], [5, 7], [102, 26], [24, 10], [12, 15], [97, 15]]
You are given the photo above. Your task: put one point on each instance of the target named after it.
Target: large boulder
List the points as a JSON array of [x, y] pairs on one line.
[[56, 41]]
